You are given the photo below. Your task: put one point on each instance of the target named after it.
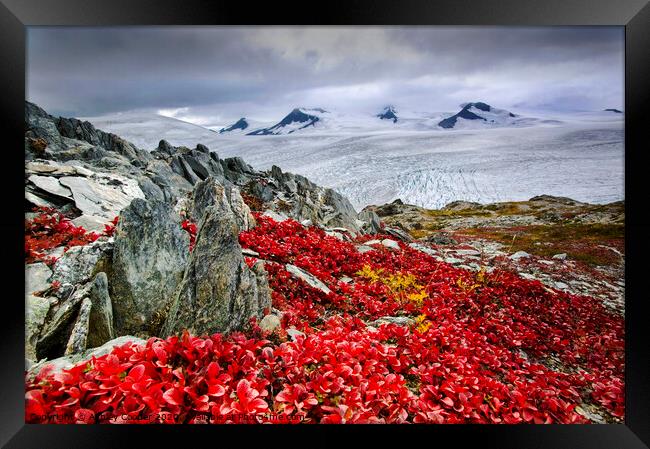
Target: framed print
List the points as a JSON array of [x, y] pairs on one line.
[[426, 217]]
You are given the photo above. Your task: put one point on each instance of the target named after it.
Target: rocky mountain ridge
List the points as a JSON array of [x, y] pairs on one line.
[[142, 280]]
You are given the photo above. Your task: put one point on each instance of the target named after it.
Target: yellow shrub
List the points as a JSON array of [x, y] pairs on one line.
[[403, 287]]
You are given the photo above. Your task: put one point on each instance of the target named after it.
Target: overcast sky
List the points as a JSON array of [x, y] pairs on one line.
[[214, 75]]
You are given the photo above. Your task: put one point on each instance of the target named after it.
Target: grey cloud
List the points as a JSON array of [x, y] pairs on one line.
[[216, 72]]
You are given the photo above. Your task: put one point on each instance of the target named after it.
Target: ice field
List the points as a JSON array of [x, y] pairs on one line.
[[580, 156]]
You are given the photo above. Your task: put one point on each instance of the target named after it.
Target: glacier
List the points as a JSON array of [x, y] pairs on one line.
[[579, 155]]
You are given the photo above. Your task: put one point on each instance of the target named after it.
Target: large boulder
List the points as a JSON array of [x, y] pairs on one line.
[[219, 292], [226, 199], [149, 257]]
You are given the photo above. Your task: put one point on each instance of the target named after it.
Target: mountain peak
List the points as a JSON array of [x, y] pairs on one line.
[[478, 105], [480, 112], [389, 113], [295, 120], [239, 124]]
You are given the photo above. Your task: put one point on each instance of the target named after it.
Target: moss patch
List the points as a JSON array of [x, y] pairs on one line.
[[583, 242]]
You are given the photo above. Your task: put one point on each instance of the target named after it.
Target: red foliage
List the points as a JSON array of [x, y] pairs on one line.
[[109, 228], [190, 228], [50, 229], [466, 366]]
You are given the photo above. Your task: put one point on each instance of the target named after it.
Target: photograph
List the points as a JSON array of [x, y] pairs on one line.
[[413, 224]]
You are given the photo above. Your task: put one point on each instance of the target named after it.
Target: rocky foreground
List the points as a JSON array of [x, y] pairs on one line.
[[176, 286]]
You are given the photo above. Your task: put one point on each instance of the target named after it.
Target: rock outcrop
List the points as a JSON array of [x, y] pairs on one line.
[[149, 257], [143, 280], [219, 292], [226, 199]]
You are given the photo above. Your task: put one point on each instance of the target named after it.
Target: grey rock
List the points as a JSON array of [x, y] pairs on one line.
[[337, 235], [85, 131], [364, 248], [172, 184], [467, 252], [150, 189], [50, 185], [185, 169], [399, 320], [453, 260], [308, 278], [240, 209], [394, 208], [166, 147], [299, 198], [589, 414], [441, 238], [398, 233], [270, 323], [423, 248], [373, 242], [392, 244], [37, 201], [79, 336], [294, 334], [91, 222], [100, 324], [218, 293], [55, 333], [561, 256], [149, 257], [250, 252], [201, 170], [519, 255], [36, 309], [37, 277], [372, 222], [236, 170], [59, 364], [202, 148], [279, 217], [204, 165], [79, 263], [42, 168], [104, 195], [227, 200]]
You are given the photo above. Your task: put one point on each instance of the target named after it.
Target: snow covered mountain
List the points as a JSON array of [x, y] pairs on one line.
[[299, 118], [389, 113], [372, 161], [240, 124], [473, 115]]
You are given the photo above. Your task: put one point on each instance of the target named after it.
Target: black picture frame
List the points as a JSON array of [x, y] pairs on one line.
[[634, 15]]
